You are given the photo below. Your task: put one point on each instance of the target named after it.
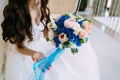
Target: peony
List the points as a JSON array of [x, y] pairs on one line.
[[50, 35], [73, 18], [87, 26], [63, 38], [77, 28], [83, 34], [69, 22]]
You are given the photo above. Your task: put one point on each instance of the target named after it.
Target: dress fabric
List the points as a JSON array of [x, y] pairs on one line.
[[81, 66]]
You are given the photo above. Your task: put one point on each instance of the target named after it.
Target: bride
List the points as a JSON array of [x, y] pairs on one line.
[[25, 30]]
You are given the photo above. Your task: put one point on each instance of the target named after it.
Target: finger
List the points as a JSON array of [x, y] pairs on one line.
[[35, 60], [50, 67]]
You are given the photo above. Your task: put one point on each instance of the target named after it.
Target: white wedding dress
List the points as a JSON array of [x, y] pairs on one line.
[[81, 66]]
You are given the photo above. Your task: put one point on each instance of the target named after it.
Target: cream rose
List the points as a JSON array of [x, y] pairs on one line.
[[87, 26], [83, 34], [50, 35], [63, 38]]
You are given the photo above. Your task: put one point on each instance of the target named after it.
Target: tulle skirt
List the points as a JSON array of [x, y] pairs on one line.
[[80, 66]]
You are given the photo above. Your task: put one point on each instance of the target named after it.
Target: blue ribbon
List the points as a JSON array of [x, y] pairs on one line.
[[42, 66]]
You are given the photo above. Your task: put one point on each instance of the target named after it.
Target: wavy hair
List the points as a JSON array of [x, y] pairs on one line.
[[17, 21]]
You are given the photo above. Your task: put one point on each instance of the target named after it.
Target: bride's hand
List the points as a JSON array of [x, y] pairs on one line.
[[38, 56]]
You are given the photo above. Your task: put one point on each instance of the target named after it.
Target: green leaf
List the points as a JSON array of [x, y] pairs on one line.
[[47, 39], [87, 20], [74, 50], [67, 14], [66, 44], [51, 24], [82, 41], [77, 18]]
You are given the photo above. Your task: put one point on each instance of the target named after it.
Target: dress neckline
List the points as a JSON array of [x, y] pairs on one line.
[[40, 26]]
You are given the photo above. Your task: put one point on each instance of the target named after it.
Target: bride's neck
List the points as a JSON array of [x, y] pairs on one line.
[[35, 13]]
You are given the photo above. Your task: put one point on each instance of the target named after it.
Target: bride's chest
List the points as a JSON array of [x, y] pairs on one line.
[[37, 31]]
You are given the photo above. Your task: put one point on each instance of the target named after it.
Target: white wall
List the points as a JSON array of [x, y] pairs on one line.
[[2, 43]]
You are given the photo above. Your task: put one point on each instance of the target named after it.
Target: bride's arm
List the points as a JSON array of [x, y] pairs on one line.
[[34, 54], [25, 50]]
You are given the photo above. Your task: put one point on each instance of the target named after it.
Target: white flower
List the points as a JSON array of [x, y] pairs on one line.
[[52, 25], [69, 14], [50, 35], [60, 46], [63, 38], [76, 33], [56, 18]]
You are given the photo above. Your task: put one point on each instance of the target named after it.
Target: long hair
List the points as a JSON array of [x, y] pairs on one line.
[[17, 21]]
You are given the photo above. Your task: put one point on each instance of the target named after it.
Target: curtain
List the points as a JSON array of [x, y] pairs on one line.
[[99, 7], [115, 8]]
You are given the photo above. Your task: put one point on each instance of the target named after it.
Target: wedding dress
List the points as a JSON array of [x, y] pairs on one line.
[[80, 66]]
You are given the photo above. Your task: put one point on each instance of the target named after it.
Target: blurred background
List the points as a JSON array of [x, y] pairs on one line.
[[105, 36]]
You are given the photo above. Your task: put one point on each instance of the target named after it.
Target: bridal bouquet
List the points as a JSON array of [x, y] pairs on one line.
[[69, 31]]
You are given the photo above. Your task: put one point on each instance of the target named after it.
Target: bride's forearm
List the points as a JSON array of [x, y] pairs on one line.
[[26, 51], [34, 54]]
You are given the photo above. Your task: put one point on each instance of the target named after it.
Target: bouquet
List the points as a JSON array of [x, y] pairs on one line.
[[68, 31]]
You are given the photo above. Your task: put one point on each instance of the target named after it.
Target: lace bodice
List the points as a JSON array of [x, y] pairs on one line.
[[39, 42], [37, 30]]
